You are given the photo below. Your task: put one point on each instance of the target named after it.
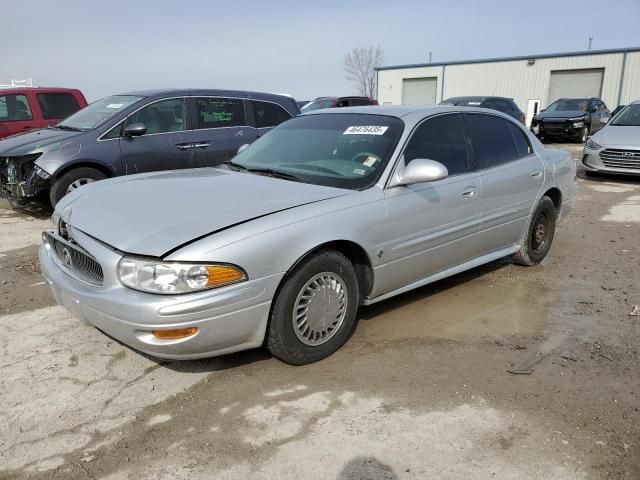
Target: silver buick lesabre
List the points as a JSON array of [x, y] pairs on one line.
[[280, 246]]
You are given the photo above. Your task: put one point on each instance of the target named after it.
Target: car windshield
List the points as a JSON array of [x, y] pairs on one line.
[[335, 150], [98, 112], [629, 117], [317, 105], [569, 105]]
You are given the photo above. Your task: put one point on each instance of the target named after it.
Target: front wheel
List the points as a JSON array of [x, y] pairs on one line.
[[314, 313], [72, 180], [539, 235]]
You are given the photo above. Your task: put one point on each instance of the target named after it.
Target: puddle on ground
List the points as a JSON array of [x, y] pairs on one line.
[[455, 308]]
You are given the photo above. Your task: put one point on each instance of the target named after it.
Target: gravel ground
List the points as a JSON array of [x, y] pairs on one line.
[[421, 391]]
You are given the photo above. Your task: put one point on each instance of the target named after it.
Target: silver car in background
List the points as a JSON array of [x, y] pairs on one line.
[[615, 148], [280, 246]]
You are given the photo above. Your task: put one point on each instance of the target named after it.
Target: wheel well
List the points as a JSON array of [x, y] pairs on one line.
[[358, 258], [555, 196], [73, 166]]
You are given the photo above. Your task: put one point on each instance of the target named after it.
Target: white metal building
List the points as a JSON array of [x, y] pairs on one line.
[[532, 81]]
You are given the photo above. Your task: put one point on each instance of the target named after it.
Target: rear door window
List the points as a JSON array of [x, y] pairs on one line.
[[57, 105], [493, 142], [217, 112], [14, 108], [441, 139], [269, 114], [523, 147]]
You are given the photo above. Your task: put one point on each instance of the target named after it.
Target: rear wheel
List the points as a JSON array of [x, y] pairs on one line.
[[73, 180], [314, 313], [539, 235]]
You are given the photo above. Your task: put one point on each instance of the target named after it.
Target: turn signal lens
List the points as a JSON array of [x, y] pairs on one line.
[[223, 275], [175, 334]]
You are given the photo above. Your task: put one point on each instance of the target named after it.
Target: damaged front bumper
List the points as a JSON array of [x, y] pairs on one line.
[[21, 178]]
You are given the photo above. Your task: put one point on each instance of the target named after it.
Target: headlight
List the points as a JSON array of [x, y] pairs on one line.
[[578, 124], [172, 277], [592, 145]]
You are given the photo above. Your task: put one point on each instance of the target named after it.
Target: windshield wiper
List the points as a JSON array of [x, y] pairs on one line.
[[234, 165], [67, 128], [269, 172]]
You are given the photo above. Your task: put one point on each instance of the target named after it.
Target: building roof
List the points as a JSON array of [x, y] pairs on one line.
[[511, 59]]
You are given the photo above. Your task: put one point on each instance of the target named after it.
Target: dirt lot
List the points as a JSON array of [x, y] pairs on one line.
[[421, 391]]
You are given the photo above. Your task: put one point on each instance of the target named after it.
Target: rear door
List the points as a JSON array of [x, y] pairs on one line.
[[220, 128], [168, 143], [511, 176], [16, 114], [432, 226], [268, 115]]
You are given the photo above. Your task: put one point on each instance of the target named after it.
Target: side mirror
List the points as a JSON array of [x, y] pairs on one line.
[[605, 119], [419, 170], [135, 130], [242, 147]]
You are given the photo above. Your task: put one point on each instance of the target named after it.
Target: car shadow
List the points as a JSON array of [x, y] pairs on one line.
[[38, 208], [370, 312], [602, 177]]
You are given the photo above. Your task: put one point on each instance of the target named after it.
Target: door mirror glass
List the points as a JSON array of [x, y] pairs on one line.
[[135, 130], [242, 147], [419, 170]]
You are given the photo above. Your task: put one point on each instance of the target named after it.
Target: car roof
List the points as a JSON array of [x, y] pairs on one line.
[[22, 88], [404, 111], [204, 91], [478, 98], [341, 98]]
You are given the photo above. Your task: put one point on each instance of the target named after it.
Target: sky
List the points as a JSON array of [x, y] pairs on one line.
[[282, 46]]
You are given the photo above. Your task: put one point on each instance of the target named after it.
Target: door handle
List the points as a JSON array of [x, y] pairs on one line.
[[184, 146], [469, 192], [201, 145], [536, 173]]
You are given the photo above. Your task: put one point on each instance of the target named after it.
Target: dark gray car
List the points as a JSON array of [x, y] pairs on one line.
[[134, 133], [501, 104], [571, 119]]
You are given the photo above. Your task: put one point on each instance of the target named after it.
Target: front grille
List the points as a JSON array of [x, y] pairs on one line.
[[75, 259], [616, 158], [554, 126]]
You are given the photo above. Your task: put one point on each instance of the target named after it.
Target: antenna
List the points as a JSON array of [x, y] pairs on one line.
[[430, 57], [590, 40]]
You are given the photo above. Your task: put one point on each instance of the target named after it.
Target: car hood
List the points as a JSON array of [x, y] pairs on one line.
[[34, 141], [153, 214], [613, 135], [562, 114]]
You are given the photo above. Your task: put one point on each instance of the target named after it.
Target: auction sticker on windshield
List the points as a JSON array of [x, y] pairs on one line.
[[365, 130]]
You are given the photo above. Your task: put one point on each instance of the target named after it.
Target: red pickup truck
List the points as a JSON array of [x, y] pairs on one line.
[[25, 108]]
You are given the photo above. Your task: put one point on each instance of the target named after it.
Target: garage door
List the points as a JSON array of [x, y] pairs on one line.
[[419, 91], [575, 83]]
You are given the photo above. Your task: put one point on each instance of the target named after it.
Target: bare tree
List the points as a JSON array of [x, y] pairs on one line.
[[359, 67]]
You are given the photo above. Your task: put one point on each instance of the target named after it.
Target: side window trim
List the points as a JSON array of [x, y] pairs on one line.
[[470, 164], [499, 165], [124, 122], [244, 109], [253, 100]]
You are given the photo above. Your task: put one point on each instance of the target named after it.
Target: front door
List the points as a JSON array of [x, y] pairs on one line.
[[220, 129], [167, 144], [432, 226]]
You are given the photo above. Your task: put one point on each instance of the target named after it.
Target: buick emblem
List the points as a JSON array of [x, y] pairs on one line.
[[66, 257]]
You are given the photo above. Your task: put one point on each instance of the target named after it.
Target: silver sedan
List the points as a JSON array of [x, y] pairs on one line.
[[616, 148], [279, 247]]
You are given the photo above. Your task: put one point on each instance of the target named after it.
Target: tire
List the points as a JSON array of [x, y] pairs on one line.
[[78, 176], [297, 332], [584, 134], [538, 240]]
